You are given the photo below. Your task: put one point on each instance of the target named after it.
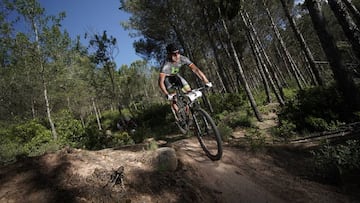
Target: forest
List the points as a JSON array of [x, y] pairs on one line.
[[301, 56]]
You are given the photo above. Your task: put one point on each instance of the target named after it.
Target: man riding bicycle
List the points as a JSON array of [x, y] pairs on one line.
[[169, 73]]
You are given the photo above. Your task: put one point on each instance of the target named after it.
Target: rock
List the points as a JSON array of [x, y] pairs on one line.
[[165, 159]]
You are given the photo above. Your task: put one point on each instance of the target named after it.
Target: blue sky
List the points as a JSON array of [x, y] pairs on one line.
[[95, 16]]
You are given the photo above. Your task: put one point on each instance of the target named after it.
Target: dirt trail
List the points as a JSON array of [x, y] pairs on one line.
[[74, 175], [253, 177], [226, 177]]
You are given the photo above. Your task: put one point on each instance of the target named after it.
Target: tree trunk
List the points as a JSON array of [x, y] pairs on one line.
[[96, 114], [279, 57], [241, 72], [228, 71], [261, 54], [47, 103], [342, 77], [351, 30], [223, 78], [288, 57], [315, 75], [260, 65], [353, 10]]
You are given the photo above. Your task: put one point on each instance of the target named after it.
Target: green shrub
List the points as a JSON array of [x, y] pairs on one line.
[[225, 131], [109, 120], [320, 124], [235, 119], [289, 93], [70, 130], [41, 144], [93, 138], [155, 120], [29, 138], [122, 138], [314, 109], [342, 158], [10, 150], [25, 132], [255, 139], [227, 102], [285, 130]]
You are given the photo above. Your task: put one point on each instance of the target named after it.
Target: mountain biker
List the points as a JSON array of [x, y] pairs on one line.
[[169, 73]]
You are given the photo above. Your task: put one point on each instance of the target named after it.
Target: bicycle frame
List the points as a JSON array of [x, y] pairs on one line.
[[205, 128], [186, 102]]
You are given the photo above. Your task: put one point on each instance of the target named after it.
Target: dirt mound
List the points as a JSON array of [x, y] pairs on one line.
[[129, 175], [111, 175]]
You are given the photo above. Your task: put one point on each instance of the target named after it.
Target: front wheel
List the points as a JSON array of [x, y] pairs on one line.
[[181, 119], [207, 134]]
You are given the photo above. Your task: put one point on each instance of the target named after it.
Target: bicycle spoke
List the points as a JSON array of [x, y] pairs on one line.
[[208, 135]]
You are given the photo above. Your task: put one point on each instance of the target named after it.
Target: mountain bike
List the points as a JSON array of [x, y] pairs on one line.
[[190, 115]]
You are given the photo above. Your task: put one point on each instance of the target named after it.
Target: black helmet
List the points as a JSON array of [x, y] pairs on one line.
[[172, 48]]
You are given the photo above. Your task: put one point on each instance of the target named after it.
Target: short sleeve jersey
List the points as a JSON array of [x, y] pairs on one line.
[[170, 68]]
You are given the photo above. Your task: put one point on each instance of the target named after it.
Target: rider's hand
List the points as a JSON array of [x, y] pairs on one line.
[[209, 84], [170, 97]]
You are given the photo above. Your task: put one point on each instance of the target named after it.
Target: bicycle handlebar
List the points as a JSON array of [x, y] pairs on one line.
[[196, 93]]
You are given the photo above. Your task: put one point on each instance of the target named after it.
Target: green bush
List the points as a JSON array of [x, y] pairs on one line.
[[285, 130], [155, 120], [70, 130], [40, 144], [289, 93], [227, 102], [10, 150], [342, 158], [314, 109], [25, 132], [225, 131], [235, 119], [122, 138], [255, 139], [320, 124], [109, 120], [29, 138]]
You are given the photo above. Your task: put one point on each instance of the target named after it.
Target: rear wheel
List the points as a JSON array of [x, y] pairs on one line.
[[208, 134]]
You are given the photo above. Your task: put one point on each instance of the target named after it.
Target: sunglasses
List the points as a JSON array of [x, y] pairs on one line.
[[174, 53]]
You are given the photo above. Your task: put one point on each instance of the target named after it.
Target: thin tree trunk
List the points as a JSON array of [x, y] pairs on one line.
[[224, 80], [227, 71], [223, 89], [351, 30], [96, 114], [259, 65], [315, 75], [281, 74], [241, 72], [353, 10], [284, 49], [261, 54], [33, 108], [342, 77], [47, 103], [82, 121]]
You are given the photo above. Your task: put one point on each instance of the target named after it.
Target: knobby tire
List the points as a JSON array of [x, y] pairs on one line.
[[208, 134]]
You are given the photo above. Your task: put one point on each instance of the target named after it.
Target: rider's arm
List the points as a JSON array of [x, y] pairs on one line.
[[198, 72], [162, 83]]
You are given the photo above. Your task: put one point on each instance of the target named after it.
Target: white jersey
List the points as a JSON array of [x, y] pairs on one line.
[[172, 68]]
